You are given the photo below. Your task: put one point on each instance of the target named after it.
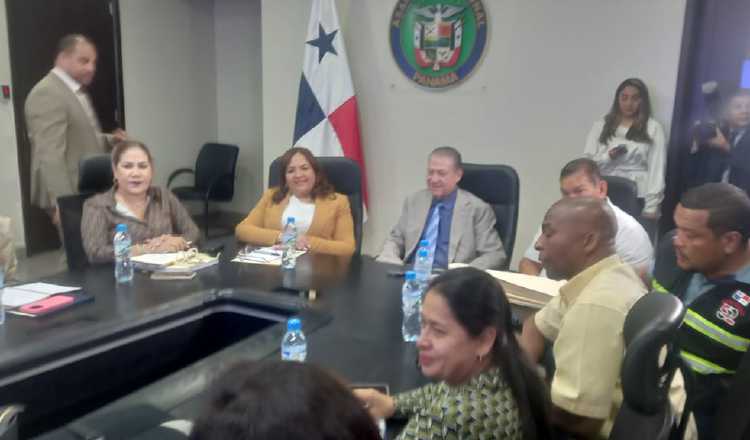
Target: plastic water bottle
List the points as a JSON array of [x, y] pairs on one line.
[[411, 302], [426, 245], [123, 265], [423, 266], [294, 344], [289, 241]]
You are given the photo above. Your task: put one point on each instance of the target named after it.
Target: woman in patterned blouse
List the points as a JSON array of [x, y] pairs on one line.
[[485, 388], [156, 220]]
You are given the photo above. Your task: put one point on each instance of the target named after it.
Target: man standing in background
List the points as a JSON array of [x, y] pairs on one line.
[[62, 124]]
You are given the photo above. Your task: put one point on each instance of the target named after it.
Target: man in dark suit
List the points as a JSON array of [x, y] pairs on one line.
[[726, 156], [62, 124]]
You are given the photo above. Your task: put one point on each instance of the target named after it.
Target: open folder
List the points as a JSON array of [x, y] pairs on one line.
[[525, 290]]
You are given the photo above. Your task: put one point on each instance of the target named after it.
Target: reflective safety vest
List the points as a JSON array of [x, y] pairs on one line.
[[715, 333]]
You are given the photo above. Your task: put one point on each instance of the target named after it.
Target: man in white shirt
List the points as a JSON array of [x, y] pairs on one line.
[[581, 178], [62, 124]]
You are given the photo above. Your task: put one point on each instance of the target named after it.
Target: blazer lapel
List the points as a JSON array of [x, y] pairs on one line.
[[421, 209], [458, 223]]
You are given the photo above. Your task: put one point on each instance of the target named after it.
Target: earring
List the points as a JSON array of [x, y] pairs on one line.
[[480, 357]]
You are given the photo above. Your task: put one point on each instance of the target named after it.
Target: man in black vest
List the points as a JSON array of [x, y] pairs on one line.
[[712, 277]]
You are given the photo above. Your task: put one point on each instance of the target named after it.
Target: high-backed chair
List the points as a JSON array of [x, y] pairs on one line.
[[498, 186], [651, 326], [71, 211], [346, 178], [214, 174], [624, 194], [95, 174]]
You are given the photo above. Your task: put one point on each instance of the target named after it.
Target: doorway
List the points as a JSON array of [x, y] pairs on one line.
[[34, 29]]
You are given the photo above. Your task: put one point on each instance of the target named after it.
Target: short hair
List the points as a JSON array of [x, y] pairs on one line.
[[583, 164], [121, 147], [322, 187], [728, 207], [69, 42], [449, 152], [276, 400]]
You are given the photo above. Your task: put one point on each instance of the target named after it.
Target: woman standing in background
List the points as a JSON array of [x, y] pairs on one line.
[[629, 143]]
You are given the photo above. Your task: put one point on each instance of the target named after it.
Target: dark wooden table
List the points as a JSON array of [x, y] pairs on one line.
[[353, 328]]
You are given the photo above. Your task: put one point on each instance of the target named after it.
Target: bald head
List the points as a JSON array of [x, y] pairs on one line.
[[576, 233]]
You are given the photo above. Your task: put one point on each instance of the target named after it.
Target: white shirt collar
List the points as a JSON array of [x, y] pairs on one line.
[[74, 85]]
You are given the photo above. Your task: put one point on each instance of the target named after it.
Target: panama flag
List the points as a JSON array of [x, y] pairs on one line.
[[326, 120]]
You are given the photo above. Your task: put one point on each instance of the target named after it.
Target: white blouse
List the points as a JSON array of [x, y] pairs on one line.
[[643, 163], [301, 211]]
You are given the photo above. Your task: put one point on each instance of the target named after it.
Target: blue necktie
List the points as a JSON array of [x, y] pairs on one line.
[[431, 231]]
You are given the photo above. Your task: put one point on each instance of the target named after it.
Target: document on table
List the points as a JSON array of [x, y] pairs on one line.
[[16, 296], [265, 255]]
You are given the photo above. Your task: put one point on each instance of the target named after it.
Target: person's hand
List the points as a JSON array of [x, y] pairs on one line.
[[303, 243], [56, 216], [719, 142], [379, 405], [119, 135], [166, 243]]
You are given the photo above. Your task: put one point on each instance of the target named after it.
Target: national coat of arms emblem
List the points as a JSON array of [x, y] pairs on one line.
[[438, 43]]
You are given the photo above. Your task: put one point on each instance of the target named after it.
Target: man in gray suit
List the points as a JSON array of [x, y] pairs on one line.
[[458, 225], [62, 124]]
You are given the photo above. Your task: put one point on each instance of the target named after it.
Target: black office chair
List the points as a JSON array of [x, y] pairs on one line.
[[9, 421], [498, 186], [651, 325], [95, 174], [624, 194], [346, 178], [71, 211], [213, 177]]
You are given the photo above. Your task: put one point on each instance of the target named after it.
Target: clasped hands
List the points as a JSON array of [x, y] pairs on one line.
[[165, 243], [302, 243]]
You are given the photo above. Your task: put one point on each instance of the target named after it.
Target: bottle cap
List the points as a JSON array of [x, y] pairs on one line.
[[293, 325], [290, 220], [423, 253], [424, 243], [121, 227], [410, 275]]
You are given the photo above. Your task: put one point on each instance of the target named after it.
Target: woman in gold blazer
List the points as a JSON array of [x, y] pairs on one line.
[[323, 217]]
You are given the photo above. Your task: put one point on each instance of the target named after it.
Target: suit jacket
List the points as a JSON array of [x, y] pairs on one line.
[[331, 230], [473, 238], [708, 164], [61, 134]]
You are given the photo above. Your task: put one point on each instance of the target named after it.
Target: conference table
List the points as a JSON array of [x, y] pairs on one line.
[[156, 346]]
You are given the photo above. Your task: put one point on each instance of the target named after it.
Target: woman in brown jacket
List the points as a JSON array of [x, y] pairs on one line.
[[156, 220], [323, 217]]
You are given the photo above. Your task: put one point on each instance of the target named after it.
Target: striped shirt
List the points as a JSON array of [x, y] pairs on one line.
[[164, 215]]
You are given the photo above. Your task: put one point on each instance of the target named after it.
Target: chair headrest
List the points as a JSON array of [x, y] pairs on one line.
[[95, 173], [479, 176], [651, 325]]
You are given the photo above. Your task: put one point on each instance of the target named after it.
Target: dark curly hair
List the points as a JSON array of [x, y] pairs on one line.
[[276, 400]]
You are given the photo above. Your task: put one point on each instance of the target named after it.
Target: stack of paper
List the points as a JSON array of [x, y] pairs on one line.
[[524, 290], [527, 290], [16, 296], [174, 262], [265, 255]]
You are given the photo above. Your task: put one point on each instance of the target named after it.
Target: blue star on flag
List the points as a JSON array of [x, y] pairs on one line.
[[324, 42]]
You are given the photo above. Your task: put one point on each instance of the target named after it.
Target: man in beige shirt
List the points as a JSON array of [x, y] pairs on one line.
[[62, 124], [584, 323]]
